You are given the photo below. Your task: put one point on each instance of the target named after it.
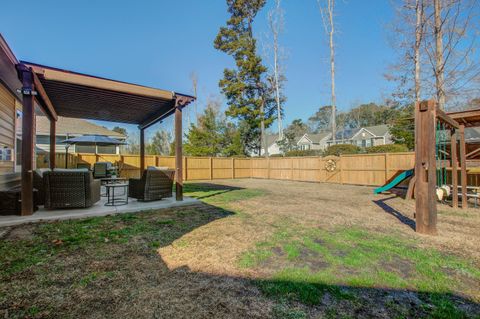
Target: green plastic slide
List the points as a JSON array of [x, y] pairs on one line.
[[397, 180]]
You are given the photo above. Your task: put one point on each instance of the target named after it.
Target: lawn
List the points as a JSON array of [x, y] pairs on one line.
[[253, 248]]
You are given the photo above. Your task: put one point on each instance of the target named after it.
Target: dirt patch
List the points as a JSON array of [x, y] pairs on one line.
[[23, 232], [402, 267]]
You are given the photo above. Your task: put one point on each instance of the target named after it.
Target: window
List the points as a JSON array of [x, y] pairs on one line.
[[364, 143], [85, 148], [5, 153], [110, 149], [18, 141]]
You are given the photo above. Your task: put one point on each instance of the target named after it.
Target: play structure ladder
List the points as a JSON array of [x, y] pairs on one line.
[[397, 180]]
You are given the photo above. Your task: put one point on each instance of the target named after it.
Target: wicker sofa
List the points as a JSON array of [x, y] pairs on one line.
[[70, 188], [155, 184], [38, 183]]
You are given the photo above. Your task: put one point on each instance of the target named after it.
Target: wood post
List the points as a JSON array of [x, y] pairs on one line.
[[178, 154], [28, 131], [53, 143], [463, 166], [425, 168], [454, 164], [211, 168], [233, 168], [387, 170], [142, 151]]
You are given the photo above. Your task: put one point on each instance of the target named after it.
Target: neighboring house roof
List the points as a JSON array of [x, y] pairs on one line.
[[472, 133], [66, 125], [316, 138], [271, 139], [377, 130]]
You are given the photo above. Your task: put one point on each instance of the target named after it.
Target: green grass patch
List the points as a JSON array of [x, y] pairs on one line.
[[218, 194], [316, 261]]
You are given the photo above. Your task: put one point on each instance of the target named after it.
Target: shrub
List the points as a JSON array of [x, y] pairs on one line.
[[340, 149], [304, 153], [389, 148]]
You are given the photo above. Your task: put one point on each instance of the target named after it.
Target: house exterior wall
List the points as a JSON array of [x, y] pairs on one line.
[[7, 131], [60, 148]]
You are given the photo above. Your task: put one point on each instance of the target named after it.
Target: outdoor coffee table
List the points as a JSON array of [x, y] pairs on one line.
[[111, 180], [116, 199]]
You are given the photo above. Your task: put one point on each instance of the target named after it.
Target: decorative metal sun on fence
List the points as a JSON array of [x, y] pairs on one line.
[[330, 165]]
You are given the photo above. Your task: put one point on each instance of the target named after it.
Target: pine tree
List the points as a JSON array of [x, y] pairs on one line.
[[248, 94]]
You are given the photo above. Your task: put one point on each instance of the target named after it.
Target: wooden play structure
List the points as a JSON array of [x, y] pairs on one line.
[[438, 160]]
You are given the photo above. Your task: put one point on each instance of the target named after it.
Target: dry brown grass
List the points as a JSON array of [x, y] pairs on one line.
[[184, 262]]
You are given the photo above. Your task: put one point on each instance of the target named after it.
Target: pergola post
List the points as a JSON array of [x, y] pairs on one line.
[[454, 164], [28, 129], [142, 150], [178, 153], [425, 168], [463, 167], [53, 142]]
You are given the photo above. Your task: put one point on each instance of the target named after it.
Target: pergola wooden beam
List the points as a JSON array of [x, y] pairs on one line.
[[47, 105], [28, 131], [178, 150]]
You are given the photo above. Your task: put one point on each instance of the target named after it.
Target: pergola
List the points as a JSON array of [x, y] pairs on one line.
[[64, 93]]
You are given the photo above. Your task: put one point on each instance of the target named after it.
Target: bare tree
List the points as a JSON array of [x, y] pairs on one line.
[[327, 12], [437, 42], [419, 31], [453, 27], [276, 24], [194, 79]]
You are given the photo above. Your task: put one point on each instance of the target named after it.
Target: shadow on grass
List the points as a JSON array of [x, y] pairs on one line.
[[392, 211], [111, 267], [207, 190]]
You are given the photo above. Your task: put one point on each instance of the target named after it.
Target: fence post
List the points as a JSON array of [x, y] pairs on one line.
[[233, 168], [341, 170], [185, 169], [211, 168], [268, 167], [387, 167]]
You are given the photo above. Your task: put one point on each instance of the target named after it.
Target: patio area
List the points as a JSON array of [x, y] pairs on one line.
[[99, 209]]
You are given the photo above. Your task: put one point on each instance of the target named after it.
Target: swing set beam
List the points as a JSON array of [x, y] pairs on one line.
[[427, 115]]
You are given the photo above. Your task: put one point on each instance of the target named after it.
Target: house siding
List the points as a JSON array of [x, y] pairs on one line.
[[7, 128]]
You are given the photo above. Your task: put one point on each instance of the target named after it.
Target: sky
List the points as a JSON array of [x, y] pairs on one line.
[[159, 43]]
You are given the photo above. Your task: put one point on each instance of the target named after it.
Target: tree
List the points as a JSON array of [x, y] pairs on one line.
[[160, 143], [276, 23], [438, 52], [120, 130], [327, 13], [291, 135], [194, 79], [320, 121], [245, 87], [403, 128], [213, 136]]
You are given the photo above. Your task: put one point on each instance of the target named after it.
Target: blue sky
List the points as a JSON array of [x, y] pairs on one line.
[[159, 44]]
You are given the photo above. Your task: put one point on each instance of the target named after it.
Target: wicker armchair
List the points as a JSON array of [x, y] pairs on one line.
[[155, 184], [38, 184], [73, 188]]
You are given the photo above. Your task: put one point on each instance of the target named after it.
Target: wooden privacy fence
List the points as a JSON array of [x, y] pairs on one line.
[[359, 169]]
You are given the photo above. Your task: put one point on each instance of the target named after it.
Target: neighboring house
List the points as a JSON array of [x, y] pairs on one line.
[[68, 128], [314, 141], [272, 146], [364, 136]]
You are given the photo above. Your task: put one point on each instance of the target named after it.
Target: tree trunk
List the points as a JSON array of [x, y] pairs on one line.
[[263, 136], [331, 31], [418, 42], [439, 61]]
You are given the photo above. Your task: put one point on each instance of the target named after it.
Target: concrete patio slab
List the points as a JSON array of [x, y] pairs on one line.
[[99, 209]]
